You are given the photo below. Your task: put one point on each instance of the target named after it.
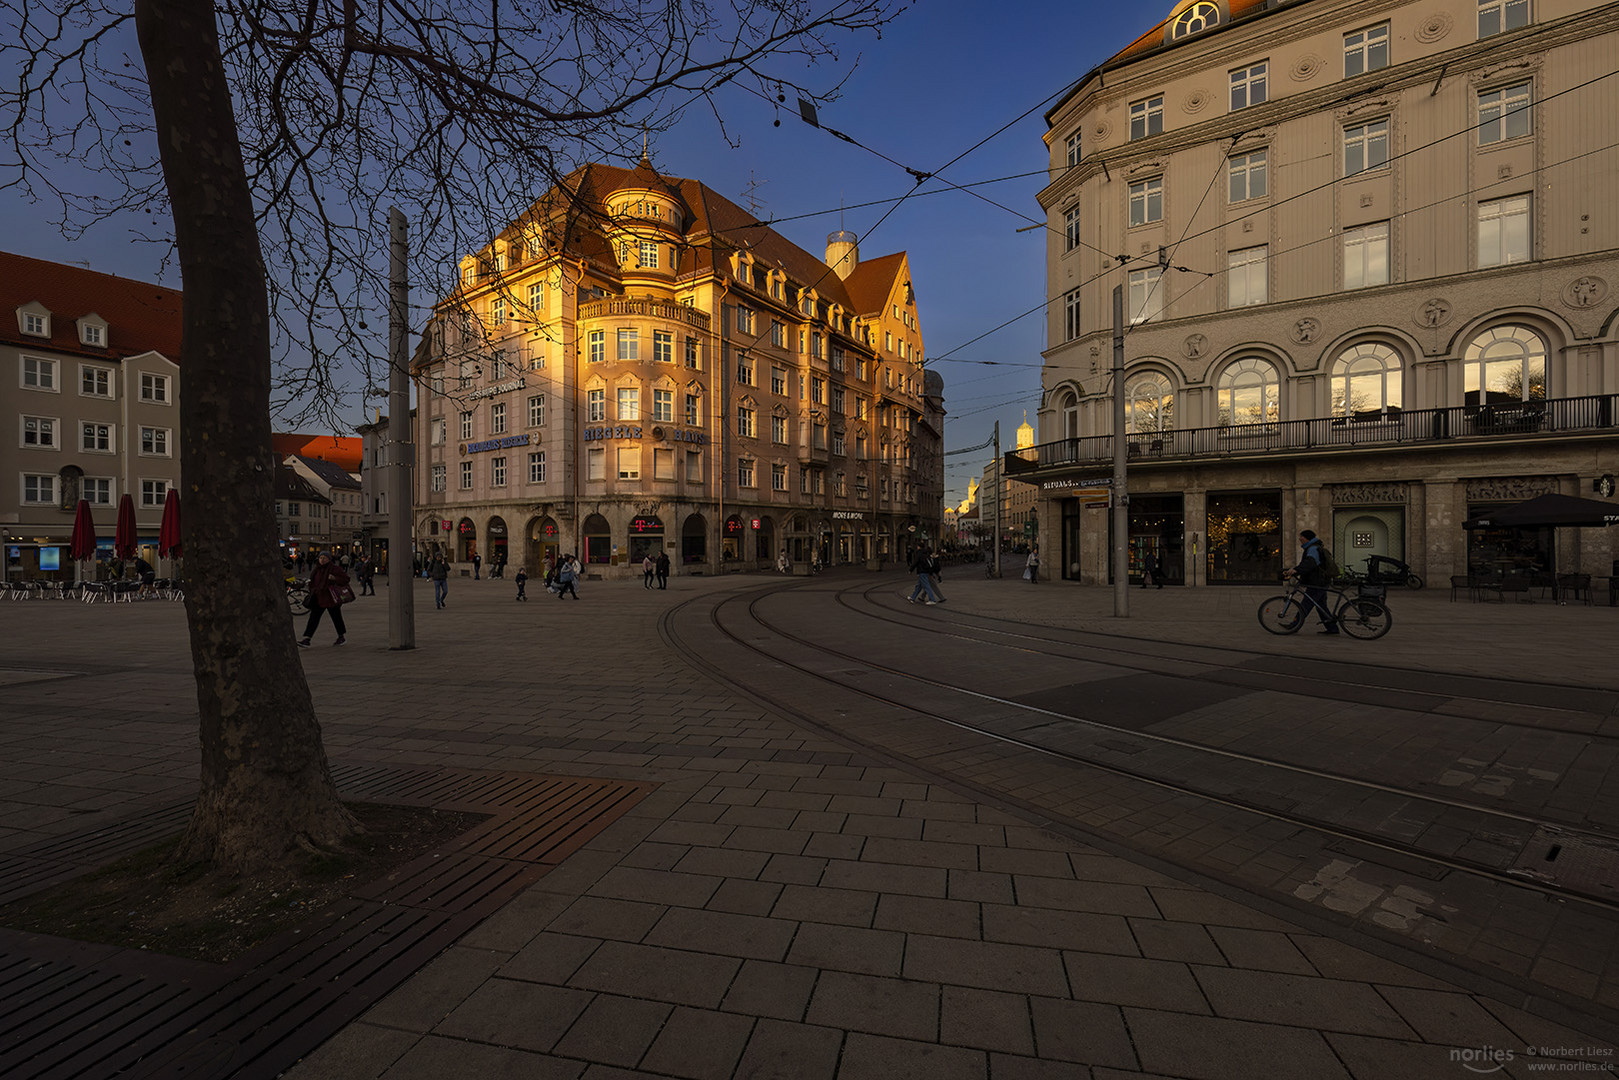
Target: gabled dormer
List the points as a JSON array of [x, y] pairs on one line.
[[34, 320], [92, 330]]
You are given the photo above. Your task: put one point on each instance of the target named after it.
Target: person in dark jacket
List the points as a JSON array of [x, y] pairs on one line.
[[522, 583], [477, 561], [663, 569], [1312, 574], [328, 577], [439, 571]]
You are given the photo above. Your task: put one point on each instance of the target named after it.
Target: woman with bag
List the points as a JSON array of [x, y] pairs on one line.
[[1031, 568], [328, 590]]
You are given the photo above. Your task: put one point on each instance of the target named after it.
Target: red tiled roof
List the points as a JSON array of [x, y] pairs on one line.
[[140, 317], [872, 282], [344, 451]]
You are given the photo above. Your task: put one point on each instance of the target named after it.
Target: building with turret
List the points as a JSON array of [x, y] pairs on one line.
[[637, 366]]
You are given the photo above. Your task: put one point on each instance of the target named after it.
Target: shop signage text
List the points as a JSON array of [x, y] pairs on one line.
[[496, 444], [491, 391], [1083, 482], [848, 515]]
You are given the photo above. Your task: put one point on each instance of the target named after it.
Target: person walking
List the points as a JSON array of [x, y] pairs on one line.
[[923, 564], [567, 573], [1312, 574], [1031, 565], [328, 591], [663, 569], [1149, 571], [439, 571], [368, 577], [477, 561], [648, 568], [522, 583]]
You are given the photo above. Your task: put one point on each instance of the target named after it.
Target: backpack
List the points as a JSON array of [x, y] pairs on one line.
[[1329, 565]]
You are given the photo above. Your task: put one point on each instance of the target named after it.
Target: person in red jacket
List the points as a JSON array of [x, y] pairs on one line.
[[326, 589]]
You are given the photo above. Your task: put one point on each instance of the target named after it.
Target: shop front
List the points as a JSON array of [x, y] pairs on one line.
[[598, 536], [496, 532], [646, 538], [1158, 529], [1244, 537], [694, 540]]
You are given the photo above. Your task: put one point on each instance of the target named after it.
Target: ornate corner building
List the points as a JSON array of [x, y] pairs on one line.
[[1369, 251], [639, 366]]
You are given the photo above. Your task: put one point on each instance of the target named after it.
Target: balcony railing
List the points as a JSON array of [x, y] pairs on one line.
[[644, 307], [1386, 428]]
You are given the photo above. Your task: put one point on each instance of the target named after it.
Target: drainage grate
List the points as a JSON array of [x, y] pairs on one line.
[[1577, 862], [76, 1010]]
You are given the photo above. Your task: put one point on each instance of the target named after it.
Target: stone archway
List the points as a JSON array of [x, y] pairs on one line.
[[465, 540], [495, 541], [764, 546], [541, 544], [646, 538], [598, 536], [694, 540]]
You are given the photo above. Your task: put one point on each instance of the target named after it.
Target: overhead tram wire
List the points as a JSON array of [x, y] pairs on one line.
[[945, 357]]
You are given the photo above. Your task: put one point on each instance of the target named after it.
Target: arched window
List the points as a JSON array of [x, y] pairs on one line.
[[1367, 378], [1505, 363], [1195, 19], [1068, 410], [1248, 392], [1149, 404]]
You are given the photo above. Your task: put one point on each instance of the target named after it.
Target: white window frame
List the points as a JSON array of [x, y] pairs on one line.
[[437, 431], [1505, 113], [1497, 219], [663, 347], [46, 432], [497, 472], [50, 480], [1071, 314], [628, 402], [1147, 117], [744, 422], [778, 430], [596, 344], [154, 490], [1362, 247], [155, 389], [438, 479], [466, 424], [104, 434], [1071, 147], [536, 410], [1147, 201], [1499, 16], [663, 406], [497, 418], [648, 254], [1251, 171], [1366, 50], [36, 325], [1363, 138], [466, 476], [1070, 228], [629, 462], [1248, 276], [629, 345], [1250, 85], [778, 477], [745, 472], [1146, 295], [98, 374], [111, 490], [536, 297], [596, 406], [536, 467], [40, 365]]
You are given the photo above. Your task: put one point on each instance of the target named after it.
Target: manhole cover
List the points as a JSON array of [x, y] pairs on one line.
[[1574, 861]]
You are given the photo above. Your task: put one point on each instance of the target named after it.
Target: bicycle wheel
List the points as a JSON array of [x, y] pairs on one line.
[[1364, 618], [1281, 615], [1413, 581]]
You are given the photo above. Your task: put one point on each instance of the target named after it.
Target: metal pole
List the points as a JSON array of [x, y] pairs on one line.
[[995, 547], [1121, 491], [401, 450]]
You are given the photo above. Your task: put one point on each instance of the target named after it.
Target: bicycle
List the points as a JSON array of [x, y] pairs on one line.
[[1360, 615]]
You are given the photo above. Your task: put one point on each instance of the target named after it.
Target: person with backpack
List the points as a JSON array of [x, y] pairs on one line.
[[923, 564], [1314, 572]]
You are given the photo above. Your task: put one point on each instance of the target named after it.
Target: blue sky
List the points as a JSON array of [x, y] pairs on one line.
[[946, 75]]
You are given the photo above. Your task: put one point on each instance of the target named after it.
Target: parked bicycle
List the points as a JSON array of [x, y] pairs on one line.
[[1359, 612]]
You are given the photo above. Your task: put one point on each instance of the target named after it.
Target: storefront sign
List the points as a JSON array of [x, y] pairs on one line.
[[1077, 483], [632, 431], [503, 388], [495, 444], [848, 515]]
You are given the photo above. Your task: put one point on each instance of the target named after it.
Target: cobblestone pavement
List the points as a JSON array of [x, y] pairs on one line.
[[784, 904]]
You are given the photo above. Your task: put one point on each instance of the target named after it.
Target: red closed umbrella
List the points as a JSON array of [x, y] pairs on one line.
[[168, 534], [84, 533], [123, 540]]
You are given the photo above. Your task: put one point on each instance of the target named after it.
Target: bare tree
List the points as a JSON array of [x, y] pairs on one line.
[[273, 135]]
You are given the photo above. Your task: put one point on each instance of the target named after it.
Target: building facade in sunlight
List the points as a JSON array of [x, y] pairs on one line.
[[1369, 254]]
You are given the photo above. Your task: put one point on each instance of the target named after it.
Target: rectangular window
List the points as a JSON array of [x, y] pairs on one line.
[[497, 311], [815, 345], [1366, 50], [536, 467], [95, 438], [95, 381], [596, 406], [1366, 146], [744, 369], [1497, 16], [464, 379], [778, 380], [818, 390], [596, 463], [744, 421], [778, 478], [1147, 118], [536, 298], [1147, 201], [744, 472], [1247, 276], [1248, 86], [663, 406], [466, 425], [155, 388], [1070, 225], [1071, 145], [436, 432], [1503, 114], [497, 418], [38, 373], [778, 334], [693, 410], [1249, 176], [861, 408], [778, 430], [663, 463], [155, 441], [691, 354], [598, 346], [818, 436], [629, 403], [93, 335], [649, 254], [1146, 296], [38, 489], [34, 325], [97, 490], [694, 466], [1366, 255], [153, 492], [803, 482], [860, 488], [629, 345], [838, 398], [466, 476], [437, 481], [1503, 231], [536, 410], [663, 347], [744, 320], [1071, 314], [838, 444], [497, 472], [629, 463]]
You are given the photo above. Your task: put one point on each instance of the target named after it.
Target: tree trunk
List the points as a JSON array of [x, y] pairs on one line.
[[266, 789]]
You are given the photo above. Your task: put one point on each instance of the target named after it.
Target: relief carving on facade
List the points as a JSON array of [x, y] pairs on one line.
[[1306, 330], [1369, 494], [1433, 28], [1195, 345], [1510, 488], [1370, 105], [1101, 130], [1435, 312], [1146, 168], [1506, 70], [1584, 291], [1307, 67], [1196, 101]]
